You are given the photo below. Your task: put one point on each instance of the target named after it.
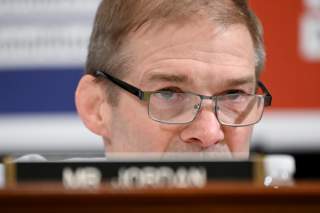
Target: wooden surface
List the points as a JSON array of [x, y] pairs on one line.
[[216, 197]]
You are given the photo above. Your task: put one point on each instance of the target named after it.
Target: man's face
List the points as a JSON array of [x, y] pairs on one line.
[[199, 57]]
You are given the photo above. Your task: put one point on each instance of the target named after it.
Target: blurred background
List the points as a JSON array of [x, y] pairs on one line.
[[42, 54]]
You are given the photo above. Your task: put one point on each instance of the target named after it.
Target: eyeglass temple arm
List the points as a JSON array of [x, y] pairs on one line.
[[133, 90], [268, 97]]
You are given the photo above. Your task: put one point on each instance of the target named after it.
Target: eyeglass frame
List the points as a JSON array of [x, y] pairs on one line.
[[145, 96]]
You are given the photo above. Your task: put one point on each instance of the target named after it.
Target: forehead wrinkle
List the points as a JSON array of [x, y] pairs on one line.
[[203, 54], [221, 59]]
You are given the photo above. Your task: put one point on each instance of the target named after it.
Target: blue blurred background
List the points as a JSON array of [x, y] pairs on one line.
[[42, 54]]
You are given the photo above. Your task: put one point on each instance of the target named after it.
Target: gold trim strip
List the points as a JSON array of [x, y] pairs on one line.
[[259, 170], [10, 171]]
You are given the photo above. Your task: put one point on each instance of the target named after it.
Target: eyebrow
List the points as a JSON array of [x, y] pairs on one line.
[[169, 78], [239, 81]]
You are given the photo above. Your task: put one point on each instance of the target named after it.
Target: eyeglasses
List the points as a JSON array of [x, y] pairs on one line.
[[170, 107]]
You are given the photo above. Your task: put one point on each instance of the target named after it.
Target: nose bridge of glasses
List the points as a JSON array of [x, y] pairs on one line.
[[211, 102]]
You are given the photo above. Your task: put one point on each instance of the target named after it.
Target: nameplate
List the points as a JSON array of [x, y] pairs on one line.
[[134, 174]]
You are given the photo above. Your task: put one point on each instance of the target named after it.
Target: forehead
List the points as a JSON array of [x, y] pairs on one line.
[[199, 50]]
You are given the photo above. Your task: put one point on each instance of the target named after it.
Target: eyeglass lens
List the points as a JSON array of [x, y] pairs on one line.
[[231, 109]]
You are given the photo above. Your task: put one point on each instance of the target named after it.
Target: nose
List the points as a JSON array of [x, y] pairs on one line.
[[204, 130]]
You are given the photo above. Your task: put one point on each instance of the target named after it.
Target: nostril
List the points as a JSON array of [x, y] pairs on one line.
[[201, 143], [193, 140]]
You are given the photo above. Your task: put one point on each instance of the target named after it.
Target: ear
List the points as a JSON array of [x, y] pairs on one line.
[[92, 105]]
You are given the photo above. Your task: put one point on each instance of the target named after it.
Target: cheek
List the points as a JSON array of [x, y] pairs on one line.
[[133, 130], [238, 139], [150, 136]]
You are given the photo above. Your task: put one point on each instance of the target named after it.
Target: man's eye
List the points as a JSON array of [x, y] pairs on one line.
[[166, 94], [169, 94], [235, 94]]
